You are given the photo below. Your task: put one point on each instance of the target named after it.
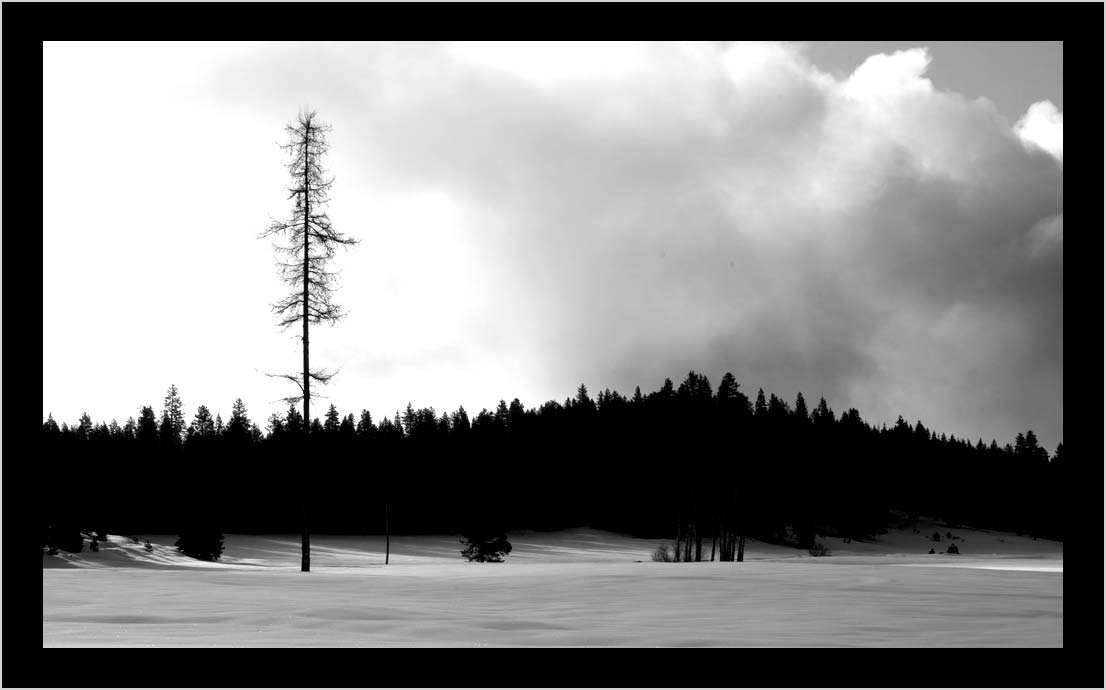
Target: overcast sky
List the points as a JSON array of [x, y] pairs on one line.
[[879, 224]]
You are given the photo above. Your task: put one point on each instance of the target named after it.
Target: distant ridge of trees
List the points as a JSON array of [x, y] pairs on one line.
[[705, 466]]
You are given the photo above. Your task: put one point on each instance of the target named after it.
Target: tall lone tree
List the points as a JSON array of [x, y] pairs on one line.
[[309, 244]]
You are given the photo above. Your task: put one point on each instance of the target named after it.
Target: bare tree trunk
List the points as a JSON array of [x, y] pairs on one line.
[[305, 547], [713, 544], [307, 136], [741, 548], [387, 535], [679, 526], [728, 539], [687, 539], [698, 545]]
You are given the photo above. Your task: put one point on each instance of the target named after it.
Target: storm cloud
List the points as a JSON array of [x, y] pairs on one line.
[[542, 215]]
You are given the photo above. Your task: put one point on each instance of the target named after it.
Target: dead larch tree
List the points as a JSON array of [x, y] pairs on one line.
[[309, 243]]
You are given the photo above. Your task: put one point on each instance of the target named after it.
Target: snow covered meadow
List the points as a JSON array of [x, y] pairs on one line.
[[572, 588]]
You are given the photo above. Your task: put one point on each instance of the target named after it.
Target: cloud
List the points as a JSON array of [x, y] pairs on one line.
[[619, 214], [1042, 127]]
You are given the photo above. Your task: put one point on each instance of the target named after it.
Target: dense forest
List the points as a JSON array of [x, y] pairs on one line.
[[686, 462]]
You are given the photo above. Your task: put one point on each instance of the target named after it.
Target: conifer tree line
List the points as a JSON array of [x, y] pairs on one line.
[[706, 467]]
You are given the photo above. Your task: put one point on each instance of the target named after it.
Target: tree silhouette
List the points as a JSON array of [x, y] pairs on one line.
[[203, 426], [84, 426], [485, 546], [333, 420], [174, 410], [769, 476], [205, 545], [146, 427], [311, 242], [238, 428]]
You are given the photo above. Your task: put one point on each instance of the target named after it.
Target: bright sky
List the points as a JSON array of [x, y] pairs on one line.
[[838, 219]]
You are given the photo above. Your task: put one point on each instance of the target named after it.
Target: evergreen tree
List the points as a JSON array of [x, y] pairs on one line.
[[205, 545], [238, 428], [459, 422], [1033, 450], [166, 433], [727, 389], [801, 413], [501, 413], [293, 421], [365, 427], [515, 415], [822, 414], [582, 402], [84, 427], [333, 420], [348, 427], [146, 427], [174, 410], [485, 546], [275, 425], [203, 426], [64, 537], [408, 419], [778, 410]]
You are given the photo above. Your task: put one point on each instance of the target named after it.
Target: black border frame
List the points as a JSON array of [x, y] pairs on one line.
[[1078, 664]]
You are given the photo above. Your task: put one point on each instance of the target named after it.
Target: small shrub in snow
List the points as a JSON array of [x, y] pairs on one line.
[[936, 536], [67, 540], [663, 554], [931, 550], [818, 550], [952, 549], [205, 545], [484, 547], [149, 546], [94, 545], [949, 535]]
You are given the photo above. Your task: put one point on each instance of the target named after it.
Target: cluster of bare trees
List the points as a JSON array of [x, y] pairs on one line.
[[727, 538]]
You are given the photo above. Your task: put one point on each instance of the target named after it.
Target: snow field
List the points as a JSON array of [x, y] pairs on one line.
[[573, 588]]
